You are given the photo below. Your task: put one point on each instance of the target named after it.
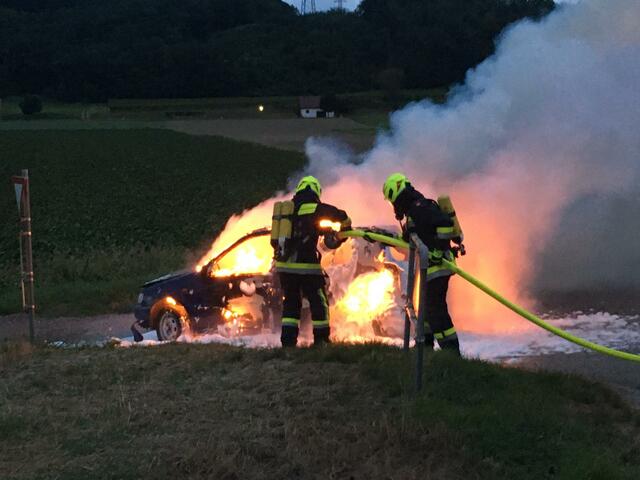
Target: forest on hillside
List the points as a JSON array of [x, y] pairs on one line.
[[93, 50]]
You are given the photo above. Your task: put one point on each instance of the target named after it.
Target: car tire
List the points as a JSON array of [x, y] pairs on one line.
[[169, 326]]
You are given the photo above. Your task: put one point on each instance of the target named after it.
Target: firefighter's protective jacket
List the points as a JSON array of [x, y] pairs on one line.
[[303, 257], [431, 224]]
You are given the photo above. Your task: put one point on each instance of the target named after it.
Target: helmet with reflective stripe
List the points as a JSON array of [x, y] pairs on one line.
[[394, 185], [312, 183]]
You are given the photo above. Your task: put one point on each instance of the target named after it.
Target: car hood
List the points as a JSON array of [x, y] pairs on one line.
[[175, 277]]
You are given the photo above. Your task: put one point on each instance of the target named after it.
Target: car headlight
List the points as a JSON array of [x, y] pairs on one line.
[[140, 298]]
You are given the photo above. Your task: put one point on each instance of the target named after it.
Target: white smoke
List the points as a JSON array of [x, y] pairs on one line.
[[550, 119]]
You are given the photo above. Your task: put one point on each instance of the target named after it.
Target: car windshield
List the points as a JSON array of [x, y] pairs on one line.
[[253, 256]]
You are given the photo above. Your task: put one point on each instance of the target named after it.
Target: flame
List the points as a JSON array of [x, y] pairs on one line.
[[171, 301], [251, 257], [239, 225], [492, 232], [368, 297], [329, 225]]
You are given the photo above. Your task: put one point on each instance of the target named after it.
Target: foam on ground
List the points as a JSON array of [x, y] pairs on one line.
[[619, 332]]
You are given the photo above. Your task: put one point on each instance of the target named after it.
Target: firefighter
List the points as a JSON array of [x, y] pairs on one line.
[[298, 265], [435, 229]]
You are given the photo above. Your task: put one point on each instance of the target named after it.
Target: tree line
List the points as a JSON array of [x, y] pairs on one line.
[[92, 50]]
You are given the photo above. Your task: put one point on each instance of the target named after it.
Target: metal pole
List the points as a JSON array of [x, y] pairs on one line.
[[423, 265], [409, 311], [420, 326], [25, 223]]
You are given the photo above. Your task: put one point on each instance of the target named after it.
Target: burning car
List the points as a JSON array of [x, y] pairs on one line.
[[236, 293]]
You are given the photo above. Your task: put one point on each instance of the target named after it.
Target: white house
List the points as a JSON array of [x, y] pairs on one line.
[[310, 108]]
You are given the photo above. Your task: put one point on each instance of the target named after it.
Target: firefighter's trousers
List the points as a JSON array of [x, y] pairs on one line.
[[437, 316], [311, 287]]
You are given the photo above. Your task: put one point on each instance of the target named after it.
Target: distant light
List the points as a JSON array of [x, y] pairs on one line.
[[261, 108]]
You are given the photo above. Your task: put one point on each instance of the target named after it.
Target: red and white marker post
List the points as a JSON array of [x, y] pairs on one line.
[[21, 185]]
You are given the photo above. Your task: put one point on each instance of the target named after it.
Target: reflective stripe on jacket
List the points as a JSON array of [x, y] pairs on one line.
[[438, 270]]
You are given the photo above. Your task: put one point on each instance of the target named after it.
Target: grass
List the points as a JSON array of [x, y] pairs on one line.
[[115, 204], [362, 105], [214, 411], [10, 110], [112, 208]]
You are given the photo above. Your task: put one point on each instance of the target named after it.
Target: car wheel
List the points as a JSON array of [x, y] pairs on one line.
[[169, 326]]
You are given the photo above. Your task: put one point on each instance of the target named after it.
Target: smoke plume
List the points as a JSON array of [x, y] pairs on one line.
[[538, 150]]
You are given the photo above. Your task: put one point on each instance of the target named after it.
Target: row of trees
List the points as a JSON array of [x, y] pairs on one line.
[[94, 50]]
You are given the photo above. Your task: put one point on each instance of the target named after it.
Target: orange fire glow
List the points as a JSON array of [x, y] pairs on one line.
[[240, 225], [251, 257], [369, 296], [329, 225], [496, 246]]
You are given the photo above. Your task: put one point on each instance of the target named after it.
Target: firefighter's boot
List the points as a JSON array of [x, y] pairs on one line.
[[289, 336], [321, 336]]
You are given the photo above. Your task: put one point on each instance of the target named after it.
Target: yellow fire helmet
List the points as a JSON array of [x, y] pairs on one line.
[[393, 186], [312, 183]]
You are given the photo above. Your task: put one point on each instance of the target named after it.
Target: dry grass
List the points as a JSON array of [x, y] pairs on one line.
[[185, 411]]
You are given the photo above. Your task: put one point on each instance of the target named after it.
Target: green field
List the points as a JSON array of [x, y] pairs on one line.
[[213, 411], [366, 106], [114, 208]]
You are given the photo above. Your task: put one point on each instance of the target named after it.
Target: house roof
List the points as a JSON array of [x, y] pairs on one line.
[[309, 102]]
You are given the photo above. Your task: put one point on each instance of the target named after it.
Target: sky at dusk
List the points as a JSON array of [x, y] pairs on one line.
[[351, 4], [325, 4]]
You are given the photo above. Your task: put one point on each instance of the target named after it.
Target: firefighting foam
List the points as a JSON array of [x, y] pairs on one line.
[[549, 120]]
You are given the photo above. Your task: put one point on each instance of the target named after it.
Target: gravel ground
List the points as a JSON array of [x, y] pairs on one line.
[[68, 329], [289, 134]]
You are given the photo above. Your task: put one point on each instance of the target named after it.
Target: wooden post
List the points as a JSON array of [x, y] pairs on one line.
[[26, 250]]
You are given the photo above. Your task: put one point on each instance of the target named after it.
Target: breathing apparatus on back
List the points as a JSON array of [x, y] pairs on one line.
[[397, 183], [283, 231], [457, 235], [282, 228]]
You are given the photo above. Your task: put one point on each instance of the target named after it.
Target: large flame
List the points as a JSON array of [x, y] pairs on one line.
[[251, 257], [239, 225], [368, 297]]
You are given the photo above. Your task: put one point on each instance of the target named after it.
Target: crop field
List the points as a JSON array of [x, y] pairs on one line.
[[114, 208], [214, 411], [360, 105]]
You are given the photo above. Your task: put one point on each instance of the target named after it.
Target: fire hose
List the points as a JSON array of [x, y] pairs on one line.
[[396, 242]]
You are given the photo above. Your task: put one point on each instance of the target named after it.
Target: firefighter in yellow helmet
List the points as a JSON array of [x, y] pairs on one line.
[[435, 229], [298, 265]]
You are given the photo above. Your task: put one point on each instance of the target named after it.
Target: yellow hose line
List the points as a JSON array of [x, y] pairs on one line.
[[377, 237], [510, 305], [537, 320]]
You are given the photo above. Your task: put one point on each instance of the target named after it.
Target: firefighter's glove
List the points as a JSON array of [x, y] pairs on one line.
[[332, 241], [435, 258]]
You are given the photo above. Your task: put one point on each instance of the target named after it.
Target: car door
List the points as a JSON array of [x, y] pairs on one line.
[[241, 283]]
